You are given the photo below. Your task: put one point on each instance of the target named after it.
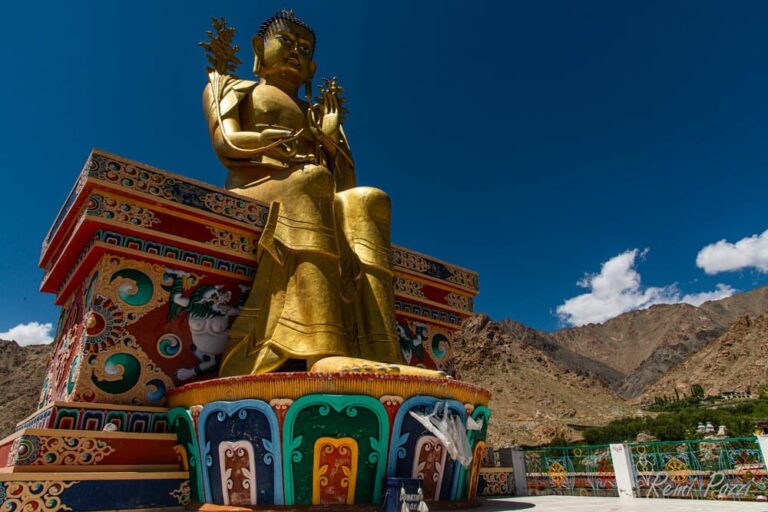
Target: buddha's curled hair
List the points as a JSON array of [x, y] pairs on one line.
[[283, 15]]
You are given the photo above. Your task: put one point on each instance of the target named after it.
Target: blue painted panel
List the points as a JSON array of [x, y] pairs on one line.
[[406, 433], [244, 420], [139, 422], [96, 418], [89, 495]]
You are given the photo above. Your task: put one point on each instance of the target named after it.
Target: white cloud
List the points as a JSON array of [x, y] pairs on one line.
[[697, 299], [617, 289], [33, 333], [723, 256]]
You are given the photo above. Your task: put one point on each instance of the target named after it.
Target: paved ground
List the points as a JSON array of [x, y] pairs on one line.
[[577, 504]]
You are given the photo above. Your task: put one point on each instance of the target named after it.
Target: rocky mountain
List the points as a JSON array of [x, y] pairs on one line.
[[560, 354], [736, 361], [22, 371], [550, 384], [535, 398], [644, 345]]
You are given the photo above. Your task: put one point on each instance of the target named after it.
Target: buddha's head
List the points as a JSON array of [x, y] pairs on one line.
[[283, 48]]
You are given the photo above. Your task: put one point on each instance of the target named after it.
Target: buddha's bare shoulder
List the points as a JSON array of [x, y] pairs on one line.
[[227, 91], [227, 83]]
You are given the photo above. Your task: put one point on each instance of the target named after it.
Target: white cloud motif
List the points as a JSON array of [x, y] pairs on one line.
[[617, 289], [32, 333], [724, 256]]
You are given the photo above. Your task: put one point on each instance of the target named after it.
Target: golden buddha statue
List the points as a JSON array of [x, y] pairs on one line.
[[324, 285]]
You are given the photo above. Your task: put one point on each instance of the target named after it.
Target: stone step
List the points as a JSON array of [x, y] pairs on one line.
[[92, 491], [34, 450]]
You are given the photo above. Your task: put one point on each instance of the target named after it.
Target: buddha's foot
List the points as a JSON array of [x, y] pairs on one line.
[[339, 364]]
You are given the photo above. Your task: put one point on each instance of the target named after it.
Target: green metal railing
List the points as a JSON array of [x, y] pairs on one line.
[[731, 468], [724, 469], [571, 470]]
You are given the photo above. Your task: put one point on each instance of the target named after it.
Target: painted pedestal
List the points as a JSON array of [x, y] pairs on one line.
[[322, 438], [150, 269]]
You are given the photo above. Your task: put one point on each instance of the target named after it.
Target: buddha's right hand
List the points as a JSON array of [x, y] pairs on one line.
[[282, 143], [269, 135]]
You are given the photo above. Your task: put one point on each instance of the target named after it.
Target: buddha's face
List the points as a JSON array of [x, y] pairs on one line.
[[288, 52]]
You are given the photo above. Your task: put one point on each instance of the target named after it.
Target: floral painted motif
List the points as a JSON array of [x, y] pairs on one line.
[[36, 496], [429, 465], [65, 451], [238, 472], [135, 285], [182, 493], [120, 210], [409, 287], [24, 451], [496, 483], [391, 404], [457, 301], [195, 411], [232, 240], [402, 258], [125, 374], [280, 406], [474, 475], [161, 185], [104, 324], [70, 451], [334, 474]]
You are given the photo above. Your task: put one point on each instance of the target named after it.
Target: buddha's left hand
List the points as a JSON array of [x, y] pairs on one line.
[[330, 116]]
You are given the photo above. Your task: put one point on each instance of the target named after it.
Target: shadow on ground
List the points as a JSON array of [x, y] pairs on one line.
[[491, 505]]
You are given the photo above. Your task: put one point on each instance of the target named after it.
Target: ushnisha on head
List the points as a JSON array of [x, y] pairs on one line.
[[283, 49]]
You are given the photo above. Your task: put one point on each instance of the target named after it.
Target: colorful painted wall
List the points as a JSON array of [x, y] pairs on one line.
[[150, 269]]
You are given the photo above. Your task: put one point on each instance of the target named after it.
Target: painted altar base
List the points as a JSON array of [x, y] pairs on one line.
[[322, 438]]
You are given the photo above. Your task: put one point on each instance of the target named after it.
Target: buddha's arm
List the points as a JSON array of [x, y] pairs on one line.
[[344, 168], [325, 122], [338, 155], [248, 140], [231, 141]]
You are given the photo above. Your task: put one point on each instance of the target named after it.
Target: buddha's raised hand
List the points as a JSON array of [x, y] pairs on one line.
[[329, 117]]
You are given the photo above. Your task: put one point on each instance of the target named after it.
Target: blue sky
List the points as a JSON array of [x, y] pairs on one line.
[[534, 142]]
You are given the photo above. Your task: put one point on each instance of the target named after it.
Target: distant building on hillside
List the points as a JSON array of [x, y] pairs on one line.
[[732, 395]]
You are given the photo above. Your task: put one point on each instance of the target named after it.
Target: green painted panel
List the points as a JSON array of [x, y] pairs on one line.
[[311, 417]]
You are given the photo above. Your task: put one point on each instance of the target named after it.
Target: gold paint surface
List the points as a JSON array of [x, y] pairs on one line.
[[324, 281], [353, 365]]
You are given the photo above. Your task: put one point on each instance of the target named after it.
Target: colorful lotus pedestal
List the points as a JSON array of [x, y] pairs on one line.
[[323, 438], [150, 269]]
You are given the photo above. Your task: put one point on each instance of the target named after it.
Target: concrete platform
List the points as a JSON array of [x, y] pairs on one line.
[[577, 504]]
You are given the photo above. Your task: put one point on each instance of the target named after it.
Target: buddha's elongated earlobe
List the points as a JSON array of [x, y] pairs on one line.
[[308, 83], [258, 53]]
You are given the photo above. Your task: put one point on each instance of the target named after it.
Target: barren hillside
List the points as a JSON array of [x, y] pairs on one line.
[[534, 398], [22, 371], [644, 345], [736, 361], [544, 384]]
